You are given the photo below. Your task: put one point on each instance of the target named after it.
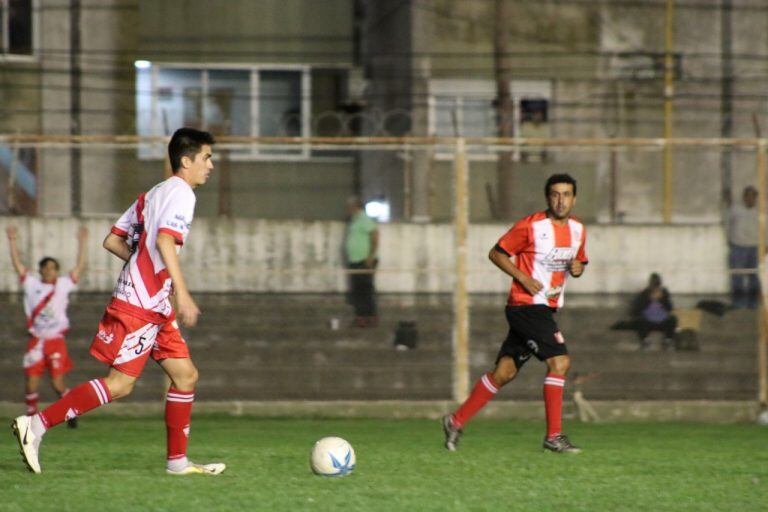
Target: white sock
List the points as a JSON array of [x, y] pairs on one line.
[[38, 428], [178, 464]]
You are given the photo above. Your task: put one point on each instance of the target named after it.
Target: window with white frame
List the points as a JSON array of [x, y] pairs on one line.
[[16, 27], [241, 101], [467, 108]]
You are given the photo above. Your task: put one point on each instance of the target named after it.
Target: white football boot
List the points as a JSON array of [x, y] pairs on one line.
[[29, 443], [215, 468]]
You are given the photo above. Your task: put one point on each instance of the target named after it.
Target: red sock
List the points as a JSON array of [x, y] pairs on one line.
[[484, 390], [31, 400], [76, 402], [178, 411], [553, 403]]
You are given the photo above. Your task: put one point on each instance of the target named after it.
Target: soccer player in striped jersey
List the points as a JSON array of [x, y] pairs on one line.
[[139, 321], [537, 252], [46, 299]]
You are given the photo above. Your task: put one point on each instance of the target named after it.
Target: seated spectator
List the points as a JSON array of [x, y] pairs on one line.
[[652, 311]]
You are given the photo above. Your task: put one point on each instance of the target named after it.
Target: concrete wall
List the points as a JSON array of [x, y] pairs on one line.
[[269, 31], [293, 256]]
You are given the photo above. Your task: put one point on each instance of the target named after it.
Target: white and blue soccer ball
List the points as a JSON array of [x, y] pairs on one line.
[[332, 456]]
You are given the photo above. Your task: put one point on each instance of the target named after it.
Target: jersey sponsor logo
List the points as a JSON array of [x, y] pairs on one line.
[[124, 285], [106, 337], [559, 259]]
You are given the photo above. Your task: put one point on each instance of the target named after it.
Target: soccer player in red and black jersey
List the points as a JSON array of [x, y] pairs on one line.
[[537, 252]]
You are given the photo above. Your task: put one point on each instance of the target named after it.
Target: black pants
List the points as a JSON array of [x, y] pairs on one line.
[[668, 327], [362, 294]]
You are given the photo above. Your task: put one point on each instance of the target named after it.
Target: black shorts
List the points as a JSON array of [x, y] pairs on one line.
[[532, 332]]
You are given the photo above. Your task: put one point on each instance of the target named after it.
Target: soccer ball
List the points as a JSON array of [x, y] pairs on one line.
[[332, 456]]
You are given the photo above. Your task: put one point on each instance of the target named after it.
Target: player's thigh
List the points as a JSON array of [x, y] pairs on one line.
[[34, 358], [124, 342], [535, 332], [170, 344], [56, 357]]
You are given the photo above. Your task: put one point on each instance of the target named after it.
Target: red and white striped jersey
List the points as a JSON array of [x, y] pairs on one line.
[[45, 305], [144, 284], [543, 250]]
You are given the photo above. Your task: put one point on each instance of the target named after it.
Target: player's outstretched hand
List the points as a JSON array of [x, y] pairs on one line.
[[532, 285], [187, 310]]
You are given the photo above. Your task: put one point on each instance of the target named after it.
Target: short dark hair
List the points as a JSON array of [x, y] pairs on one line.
[[187, 142], [43, 262], [559, 178]]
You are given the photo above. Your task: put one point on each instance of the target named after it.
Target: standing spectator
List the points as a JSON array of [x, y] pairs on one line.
[[743, 228], [360, 246], [652, 310]]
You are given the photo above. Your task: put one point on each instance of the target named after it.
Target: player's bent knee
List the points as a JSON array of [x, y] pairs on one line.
[[559, 365], [120, 390], [187, 379], [119, 387], [504, 373]]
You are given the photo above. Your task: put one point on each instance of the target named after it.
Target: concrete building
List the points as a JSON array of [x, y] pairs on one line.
[[383, 67]]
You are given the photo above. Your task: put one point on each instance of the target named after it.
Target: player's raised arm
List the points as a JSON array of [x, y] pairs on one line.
[[12, 233], [82, 240], [186, 308]]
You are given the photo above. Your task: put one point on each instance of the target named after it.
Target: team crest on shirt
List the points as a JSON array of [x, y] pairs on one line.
[[559, 259], [554, 292]]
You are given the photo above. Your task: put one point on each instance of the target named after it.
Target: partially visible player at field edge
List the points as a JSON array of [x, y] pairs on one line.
[[545, 246], [45, 305], [139, 321]]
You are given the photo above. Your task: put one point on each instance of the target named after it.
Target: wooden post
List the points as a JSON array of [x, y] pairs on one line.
[[225, 189], [762, 343], [460, 299], [505, 108], [12, 179], [669, 93]]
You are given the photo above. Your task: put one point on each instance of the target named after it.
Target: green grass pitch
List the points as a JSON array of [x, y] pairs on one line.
[[118, 464]]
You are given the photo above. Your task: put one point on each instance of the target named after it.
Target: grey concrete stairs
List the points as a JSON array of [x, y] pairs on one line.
[[277, 347]]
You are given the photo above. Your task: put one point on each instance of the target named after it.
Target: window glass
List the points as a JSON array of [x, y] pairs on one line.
[[280, 103], [20, 27], [179, 98]]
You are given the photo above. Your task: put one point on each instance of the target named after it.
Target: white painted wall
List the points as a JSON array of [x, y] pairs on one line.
[[294, 256]]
